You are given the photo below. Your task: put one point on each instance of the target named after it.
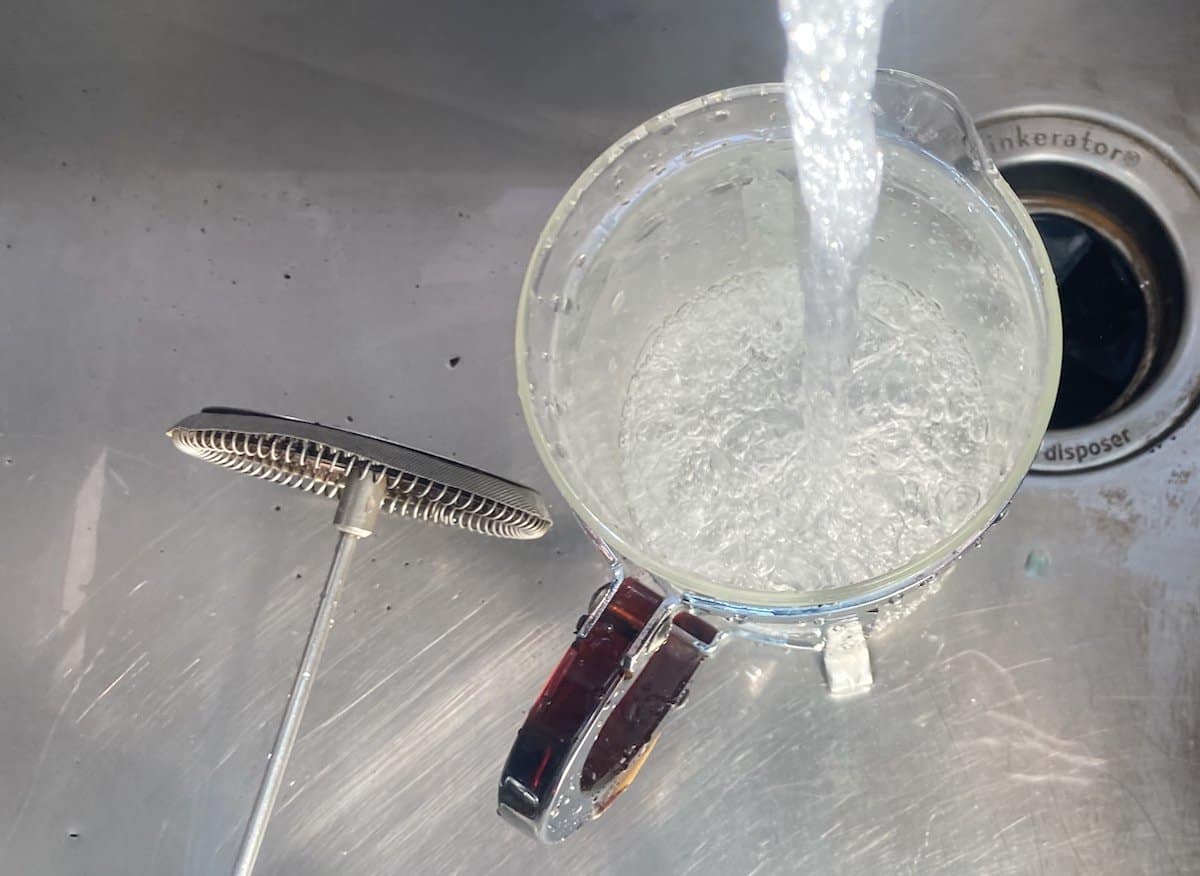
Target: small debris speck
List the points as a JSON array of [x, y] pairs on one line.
[[93, 199], [298, 576], [278, 507], [287, 276], [387, 608], [453, 361], [349, 419]]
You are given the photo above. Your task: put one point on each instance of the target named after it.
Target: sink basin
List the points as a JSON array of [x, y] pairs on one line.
[[327, 215]]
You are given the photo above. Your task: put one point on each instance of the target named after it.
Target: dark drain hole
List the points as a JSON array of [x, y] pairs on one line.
[[1104, 316], [1120, 286]]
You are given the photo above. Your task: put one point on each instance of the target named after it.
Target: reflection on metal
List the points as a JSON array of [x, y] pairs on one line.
[[366, 475]]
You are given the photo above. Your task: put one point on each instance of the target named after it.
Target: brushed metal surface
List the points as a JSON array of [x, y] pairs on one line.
[[317, 210]]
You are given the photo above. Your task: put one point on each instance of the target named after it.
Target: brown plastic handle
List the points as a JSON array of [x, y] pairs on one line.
[[633, 654]]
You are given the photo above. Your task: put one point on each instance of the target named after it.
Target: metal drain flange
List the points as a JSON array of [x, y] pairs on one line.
[[1132, 191]]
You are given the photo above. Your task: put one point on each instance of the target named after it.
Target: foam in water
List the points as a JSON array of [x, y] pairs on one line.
[[722, 471], [729, 475], [809, 422]]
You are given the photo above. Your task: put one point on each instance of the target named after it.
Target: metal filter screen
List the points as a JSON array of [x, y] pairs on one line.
[[318, 459]]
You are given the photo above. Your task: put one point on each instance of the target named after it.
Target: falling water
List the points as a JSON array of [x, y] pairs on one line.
[[833, 47]]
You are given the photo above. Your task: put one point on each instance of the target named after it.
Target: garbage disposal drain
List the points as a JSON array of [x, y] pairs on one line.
[[1105, 320], [1120, 218]]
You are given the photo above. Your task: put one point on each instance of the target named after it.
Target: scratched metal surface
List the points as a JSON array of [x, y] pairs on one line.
[[310, 209]]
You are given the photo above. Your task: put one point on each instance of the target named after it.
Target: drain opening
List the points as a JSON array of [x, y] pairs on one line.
[[1120, 287], [1119, 213], [1105, 321]]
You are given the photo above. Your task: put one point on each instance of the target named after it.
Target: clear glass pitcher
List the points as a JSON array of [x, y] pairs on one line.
[[698, 193]]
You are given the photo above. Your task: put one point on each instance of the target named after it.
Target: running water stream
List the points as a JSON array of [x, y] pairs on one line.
[[833, 48], [813, 424]]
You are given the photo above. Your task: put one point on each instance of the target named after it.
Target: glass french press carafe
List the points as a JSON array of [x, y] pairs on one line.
[[696, 194]]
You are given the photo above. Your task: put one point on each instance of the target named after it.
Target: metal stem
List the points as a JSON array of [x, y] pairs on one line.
[[289, 727], [359, 506]]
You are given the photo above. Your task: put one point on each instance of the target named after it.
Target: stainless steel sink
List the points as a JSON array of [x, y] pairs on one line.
[[312, 211]]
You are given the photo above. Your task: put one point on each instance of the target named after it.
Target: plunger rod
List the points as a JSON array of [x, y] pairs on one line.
[[358, 508]]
